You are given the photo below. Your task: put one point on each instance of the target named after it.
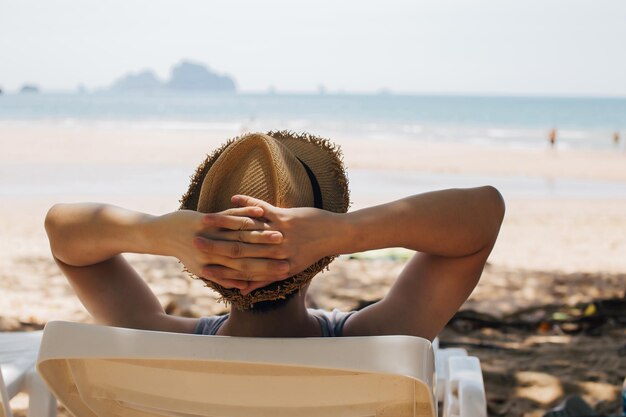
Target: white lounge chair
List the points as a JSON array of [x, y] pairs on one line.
[[18, 354], [460, 386], [102, 371]]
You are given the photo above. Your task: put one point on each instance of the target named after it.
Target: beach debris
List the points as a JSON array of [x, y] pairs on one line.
[[589, 318], [624, 397], [573, 406]]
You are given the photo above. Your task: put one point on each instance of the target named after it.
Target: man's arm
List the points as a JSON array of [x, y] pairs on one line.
[[453, 231], [87, 241]]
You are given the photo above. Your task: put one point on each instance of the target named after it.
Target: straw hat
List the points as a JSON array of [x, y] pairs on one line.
[[283, 168]]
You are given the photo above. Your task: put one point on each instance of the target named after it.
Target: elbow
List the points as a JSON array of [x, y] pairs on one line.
[[496, 204], [54, 228], [494, 209], [51, 221]]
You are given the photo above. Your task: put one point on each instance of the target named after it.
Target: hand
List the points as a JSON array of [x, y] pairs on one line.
[[236, 239], [309, 234]]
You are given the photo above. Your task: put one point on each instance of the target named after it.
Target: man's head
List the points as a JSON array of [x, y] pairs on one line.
[[282, 168]]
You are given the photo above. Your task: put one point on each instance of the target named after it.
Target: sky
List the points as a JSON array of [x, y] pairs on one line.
[[529, 47]]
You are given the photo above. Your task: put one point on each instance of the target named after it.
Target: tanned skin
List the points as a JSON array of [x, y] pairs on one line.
[[255, 243]]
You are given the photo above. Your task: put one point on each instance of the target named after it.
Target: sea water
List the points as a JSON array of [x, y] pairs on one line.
[[514, 122], [520, 122]]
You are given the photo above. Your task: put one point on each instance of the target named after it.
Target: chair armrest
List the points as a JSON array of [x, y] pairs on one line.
[[41, 402], [5, 410], [465, 391], [442, 357]]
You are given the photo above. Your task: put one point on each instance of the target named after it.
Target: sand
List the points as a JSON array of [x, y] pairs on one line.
[[112, 144], [551, 253]]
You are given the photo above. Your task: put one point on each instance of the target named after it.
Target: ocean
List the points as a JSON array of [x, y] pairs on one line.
[[514, 122], [520, 122]]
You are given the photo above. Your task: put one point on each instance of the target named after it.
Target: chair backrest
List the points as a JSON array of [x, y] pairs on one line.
[[97, 370]]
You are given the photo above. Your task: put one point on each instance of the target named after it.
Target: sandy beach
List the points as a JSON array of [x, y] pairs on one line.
[[554, 255]]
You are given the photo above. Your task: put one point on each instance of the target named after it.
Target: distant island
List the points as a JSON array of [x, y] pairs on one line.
[[29, 89], [186, 76], [141, 81]]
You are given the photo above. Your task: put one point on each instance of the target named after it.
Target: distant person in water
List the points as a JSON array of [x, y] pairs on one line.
[[552, 138], [616, 138], [263, 215]]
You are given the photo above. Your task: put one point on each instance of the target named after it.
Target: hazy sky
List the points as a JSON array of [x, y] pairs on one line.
[[561, 47]]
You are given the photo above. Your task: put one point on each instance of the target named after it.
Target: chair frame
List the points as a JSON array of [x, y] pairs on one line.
[[61, 364], [18, 354]]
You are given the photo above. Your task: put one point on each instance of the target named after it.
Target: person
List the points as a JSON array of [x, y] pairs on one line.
[[263, 215], [616, 138], [552, 138]]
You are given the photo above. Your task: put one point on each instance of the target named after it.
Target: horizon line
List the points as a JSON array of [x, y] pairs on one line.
[[377, 93]]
